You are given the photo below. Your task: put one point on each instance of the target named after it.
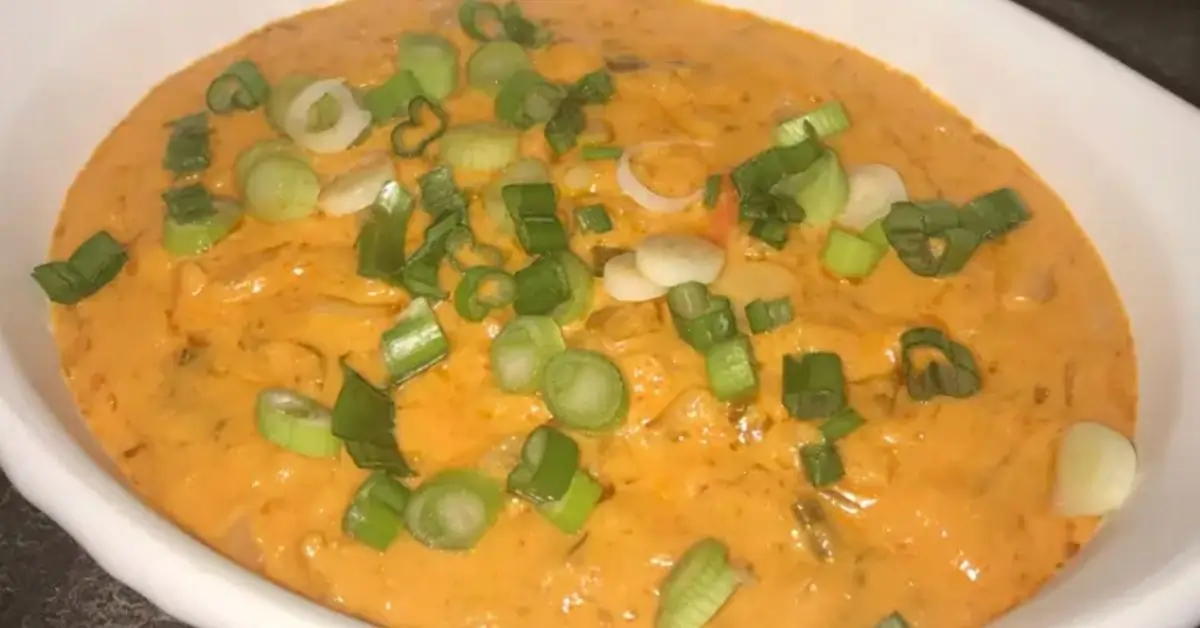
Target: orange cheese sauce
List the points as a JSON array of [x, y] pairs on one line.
[[945, 512]]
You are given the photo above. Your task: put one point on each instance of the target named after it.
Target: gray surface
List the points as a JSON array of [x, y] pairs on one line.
[[46, 581]]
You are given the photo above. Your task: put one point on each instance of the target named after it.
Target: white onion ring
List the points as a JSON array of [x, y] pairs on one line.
[[357, 188], [644, 196], [351, 122]]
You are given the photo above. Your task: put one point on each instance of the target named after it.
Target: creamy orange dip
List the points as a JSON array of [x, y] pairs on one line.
[[945, 511]]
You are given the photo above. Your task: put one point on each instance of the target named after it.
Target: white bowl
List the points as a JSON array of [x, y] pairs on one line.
[[1123, 153]]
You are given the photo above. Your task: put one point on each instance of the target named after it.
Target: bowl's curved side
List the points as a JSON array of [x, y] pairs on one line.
[[1118, 149]]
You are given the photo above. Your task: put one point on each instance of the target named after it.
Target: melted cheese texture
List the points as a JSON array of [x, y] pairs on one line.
[[945, 511]]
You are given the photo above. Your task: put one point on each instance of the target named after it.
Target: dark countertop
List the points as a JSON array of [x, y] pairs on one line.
[[46, 581]]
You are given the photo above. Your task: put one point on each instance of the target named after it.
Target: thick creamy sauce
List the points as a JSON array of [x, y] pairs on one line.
[[945, 512]]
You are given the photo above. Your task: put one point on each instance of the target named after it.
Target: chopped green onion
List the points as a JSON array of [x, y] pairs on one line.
[[995, 213], [541, 287], [420, 273], [757, 175], [483, 146], [894, 620], [400, 145], [433, 61], [562, 131], [625, 62], [240, 86], [698, 585], [601, 255], [474, 17], [850, 256], [813, 384], [594, 218], [549, 459], [712, 190], [188, 146], [322, 115], [911, 229], [494, 63], [822, 464], [383, 236], [420, 278], [730, 367], [189, 203], [482, 289], [198, 236], [95, 263], [526, 98], [821, 190], [453, 509], [579, 288], [280, 188], [365, 418], [526, 200], [601, 153], [415, 343], [954, 375], [702, 321], [521, 351], [841, 424], [571, 512], [594, 88], [771, 231], [376, 514], [522, 30], [439, 192], [824, 121], [767, 315], [875, 234], [392, 98], [585, 391], [249, 158], [464, 252], [296, 423]]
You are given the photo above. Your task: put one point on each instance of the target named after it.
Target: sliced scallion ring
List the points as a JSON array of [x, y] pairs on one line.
[[813, 384], [391, 98], [494, 62], [249, 158], [766, 315], [482, 21], [322, 115], [351, 121], [280, 188], [188, 149], [827, 120], [954, 373], [641, 194], [571, 512], [731, 369], [453, 509], [821, 190], [584, 390], [521, 351], [197, 236], [482, 289], [579, 288], [432, 59], [364, 417], [376, 514], [482, 146], [822, 464], [401, 146], [240, 86], [296, 423], [526, 98], [913, 228], [95, 263], [850, 256], [357, 188], [548, 463], [698, 585], [542, 286], [415, 343]]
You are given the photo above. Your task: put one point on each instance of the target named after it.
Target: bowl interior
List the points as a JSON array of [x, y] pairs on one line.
[[1106, 140]]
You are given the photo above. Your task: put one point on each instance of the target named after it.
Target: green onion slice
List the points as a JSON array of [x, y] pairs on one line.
[[701, 320], [821, 190], [541, 287], [483, 146], [392, 98], [526, 98], [533, 208], [188, 145], [433, 60], [482, 21], [771, 231], [249, 158], [296, 423], [199, 235], [995, 213], [601, 153], [240, 86], [522, 350], [841, 424], [594, 88], [953, 373], [584, 390], [712, 190], [548, 463], [827, 120], [464, 252], [755, 178], [563, 129], [439, 192], [894, 620], [376, 514], [494, 63], [913, 228], [482, 289], [453, 509], [571, 512], [579, 288], [730, 366], [875, 234], [813, 385], [189, 203], [280, 189], [522, 30], [822, 464], [696, 588], [594, 218], [401, 146], [365, 418], [383, 236], [767, 315], [321, 116], [95, 263], [415, 343], [850, 256]]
